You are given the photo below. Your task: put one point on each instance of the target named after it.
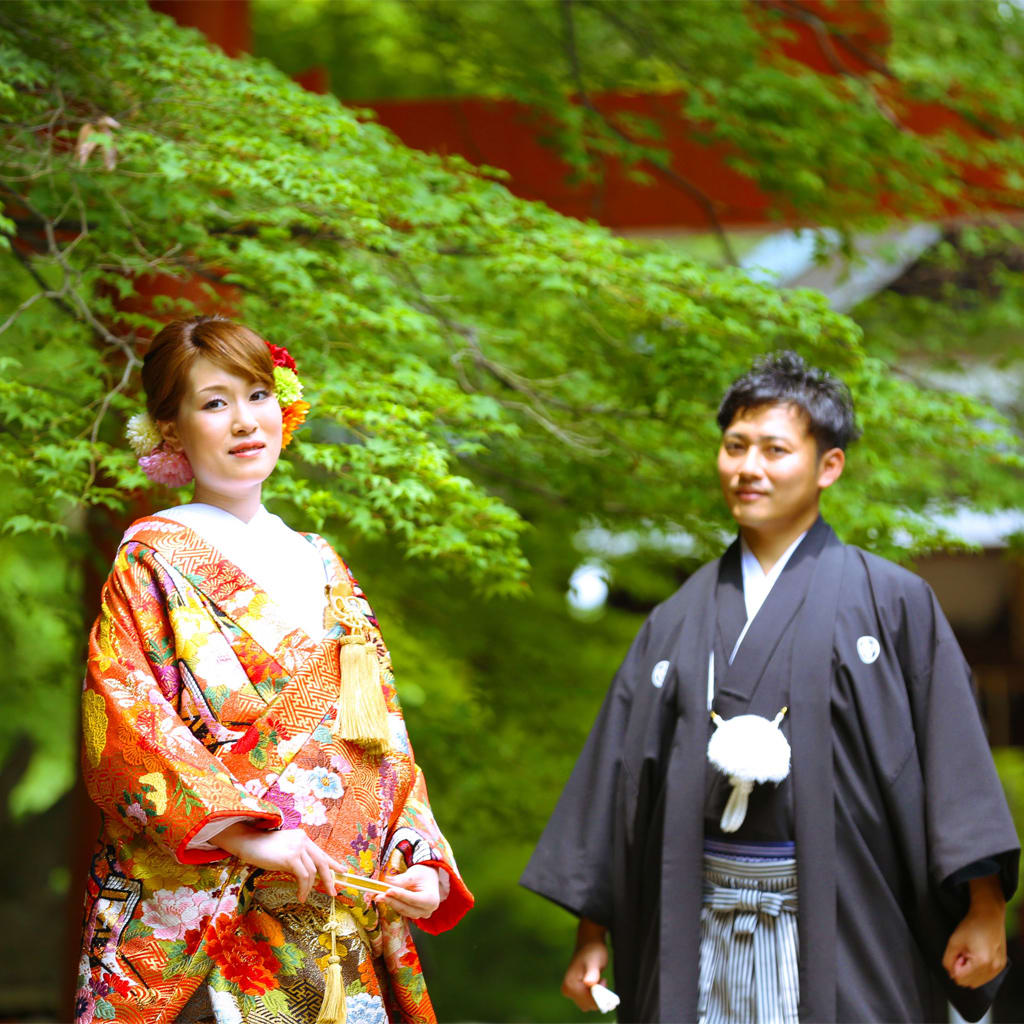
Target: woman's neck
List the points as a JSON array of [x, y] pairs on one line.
[[242, 506]]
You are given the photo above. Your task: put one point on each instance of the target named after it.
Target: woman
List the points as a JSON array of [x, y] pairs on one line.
[[243, 739]]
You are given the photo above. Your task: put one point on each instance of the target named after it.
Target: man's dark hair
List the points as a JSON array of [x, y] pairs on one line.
[[783, 378]]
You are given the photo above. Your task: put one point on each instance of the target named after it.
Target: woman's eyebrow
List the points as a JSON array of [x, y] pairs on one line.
[[224, 387]]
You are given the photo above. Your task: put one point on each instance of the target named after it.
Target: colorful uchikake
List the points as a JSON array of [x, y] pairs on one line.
[[163, 466]]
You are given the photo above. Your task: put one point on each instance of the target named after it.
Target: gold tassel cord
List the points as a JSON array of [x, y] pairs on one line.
[[362, 714], [333, 1010]]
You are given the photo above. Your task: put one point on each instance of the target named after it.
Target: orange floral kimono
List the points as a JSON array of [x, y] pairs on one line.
[[201, 704]]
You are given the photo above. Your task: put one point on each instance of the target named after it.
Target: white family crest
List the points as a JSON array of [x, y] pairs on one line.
[[658, 674], [868, 649]]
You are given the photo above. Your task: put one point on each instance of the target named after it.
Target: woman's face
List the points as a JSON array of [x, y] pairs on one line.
[[230, 429]]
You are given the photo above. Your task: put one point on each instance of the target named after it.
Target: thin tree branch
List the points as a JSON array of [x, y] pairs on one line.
[[70, 300], [649, 45], [27, 304], [58, 298], [824, 32], [685, 185], [833, 31]]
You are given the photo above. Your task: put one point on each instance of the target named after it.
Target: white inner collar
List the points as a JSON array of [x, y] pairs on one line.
[[281, 561], [757, 584]]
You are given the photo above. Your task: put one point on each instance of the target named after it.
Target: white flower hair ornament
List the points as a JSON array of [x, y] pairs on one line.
[[749, 749], [163, 466]]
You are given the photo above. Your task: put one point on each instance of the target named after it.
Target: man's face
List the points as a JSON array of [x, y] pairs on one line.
[[771, 472]]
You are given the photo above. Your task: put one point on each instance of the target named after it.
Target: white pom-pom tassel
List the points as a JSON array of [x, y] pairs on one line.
[[749, 749], [736, 807]]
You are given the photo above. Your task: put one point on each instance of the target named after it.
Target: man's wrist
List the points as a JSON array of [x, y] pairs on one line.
[[590, 931], [987, 895]]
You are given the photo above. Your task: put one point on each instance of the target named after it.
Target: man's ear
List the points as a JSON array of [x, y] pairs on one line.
[[169, 431], [830, 467]]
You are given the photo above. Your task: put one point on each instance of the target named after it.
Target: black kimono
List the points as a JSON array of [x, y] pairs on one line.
[[892, 793]]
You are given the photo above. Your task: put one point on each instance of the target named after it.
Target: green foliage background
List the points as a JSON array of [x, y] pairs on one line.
[[486, 375]]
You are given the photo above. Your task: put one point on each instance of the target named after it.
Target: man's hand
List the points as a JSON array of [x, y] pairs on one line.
[[289, 850], [414, 893], [589, 960], [976, 951]]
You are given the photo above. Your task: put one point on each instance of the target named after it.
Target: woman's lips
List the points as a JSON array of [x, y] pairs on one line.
[[247, 449]]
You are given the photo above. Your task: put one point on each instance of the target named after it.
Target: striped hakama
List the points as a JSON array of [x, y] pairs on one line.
[[749, 943]]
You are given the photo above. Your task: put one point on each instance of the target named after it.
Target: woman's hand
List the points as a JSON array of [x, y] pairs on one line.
[[588, 961], [413, 893], [289, 850]]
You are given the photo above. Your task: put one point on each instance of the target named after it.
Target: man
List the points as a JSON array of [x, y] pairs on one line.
[[869, 883]]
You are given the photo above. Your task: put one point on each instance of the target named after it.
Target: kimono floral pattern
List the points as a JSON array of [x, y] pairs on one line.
[[202, 703]]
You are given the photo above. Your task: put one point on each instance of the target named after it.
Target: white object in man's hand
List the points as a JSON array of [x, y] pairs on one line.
[[605, 998]]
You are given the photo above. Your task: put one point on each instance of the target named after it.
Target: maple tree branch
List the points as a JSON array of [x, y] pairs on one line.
[[832, 31], [668, 173], [824, 32]]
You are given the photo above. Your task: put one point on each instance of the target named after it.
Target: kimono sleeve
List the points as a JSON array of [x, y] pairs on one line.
[[141, 764], [416, 835], [967, 818], [574, 863]]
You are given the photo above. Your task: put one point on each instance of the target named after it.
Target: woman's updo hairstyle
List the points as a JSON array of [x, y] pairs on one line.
[[230, 346]]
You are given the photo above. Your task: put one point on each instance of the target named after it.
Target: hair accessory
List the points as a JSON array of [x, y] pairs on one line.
[[293, 417], [142, 434], [163, 466], [288, 389], [167, 467], [282, 357]]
